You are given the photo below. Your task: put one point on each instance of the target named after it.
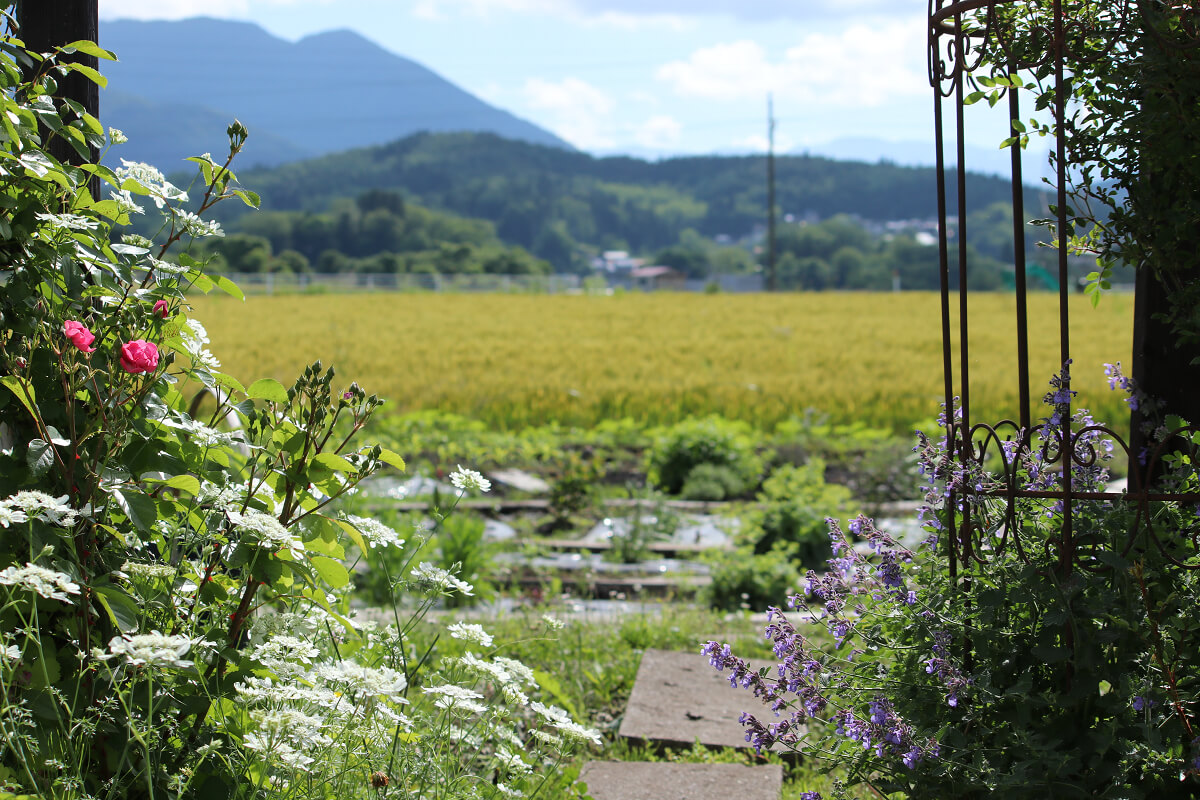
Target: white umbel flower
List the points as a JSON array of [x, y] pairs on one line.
[[267, 531], [153, 649], [47, 582], [39, 505], [440, 580], [375, 532], [468, 480], [470, 632]]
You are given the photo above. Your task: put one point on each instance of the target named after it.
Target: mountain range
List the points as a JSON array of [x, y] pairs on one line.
[[325, 93]]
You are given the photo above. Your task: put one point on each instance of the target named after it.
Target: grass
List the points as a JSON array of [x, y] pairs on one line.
[[590, 668], [513, 361]]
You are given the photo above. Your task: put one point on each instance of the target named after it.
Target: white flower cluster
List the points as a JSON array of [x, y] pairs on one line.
[[153, 649], [267, 531], [281, 651], [375, 532], [196, 226], [69, 222], [138, 569], [508, 679], [152, 181], [204, 436], [438, 580], [468, 480], [195, 337], [456, 698], [222, 498], [24, 506], [470, 632], [125, 202], [48, 583], [561, 720], [362, 681]]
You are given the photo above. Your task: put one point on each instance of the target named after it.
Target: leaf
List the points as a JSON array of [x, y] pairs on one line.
[[331, 571], [88, 48], [333, 462], [56, 437], [249, 198], [229, 287], [119, 605], [39, 457], [140, 509], [93, 75], [267, 389], [23, 389], [228, 382], [354, 535], [392, 459], [184, 483]]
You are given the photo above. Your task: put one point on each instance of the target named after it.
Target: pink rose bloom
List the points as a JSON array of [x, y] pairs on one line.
[[139, 356], [79, 336], [162, 309]]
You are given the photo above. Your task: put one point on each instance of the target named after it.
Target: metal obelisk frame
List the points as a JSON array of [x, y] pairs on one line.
[[961, 34]]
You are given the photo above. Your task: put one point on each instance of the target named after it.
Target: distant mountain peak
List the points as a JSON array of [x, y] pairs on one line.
[[167, 105]]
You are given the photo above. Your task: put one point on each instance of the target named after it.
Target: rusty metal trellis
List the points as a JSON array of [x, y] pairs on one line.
[[964, 36]]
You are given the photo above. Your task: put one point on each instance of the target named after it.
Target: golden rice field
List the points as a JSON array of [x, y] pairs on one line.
[[517, 360]]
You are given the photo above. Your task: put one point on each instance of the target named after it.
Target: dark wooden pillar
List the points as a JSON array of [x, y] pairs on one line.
[[46, 24]]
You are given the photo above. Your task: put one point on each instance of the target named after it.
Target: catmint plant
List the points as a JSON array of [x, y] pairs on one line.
[[1005, 652]]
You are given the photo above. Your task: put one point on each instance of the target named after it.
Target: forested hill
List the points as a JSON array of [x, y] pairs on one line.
[[545, 198]]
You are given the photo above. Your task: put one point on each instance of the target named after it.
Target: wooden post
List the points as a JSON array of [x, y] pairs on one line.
[[1162, 369], [46, 24]]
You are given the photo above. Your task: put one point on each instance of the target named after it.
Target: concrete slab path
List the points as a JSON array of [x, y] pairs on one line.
[[679, 699], [632, 780]]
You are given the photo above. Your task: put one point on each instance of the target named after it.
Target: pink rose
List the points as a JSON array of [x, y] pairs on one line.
[[79, 336], [139, 356], [162, 309]]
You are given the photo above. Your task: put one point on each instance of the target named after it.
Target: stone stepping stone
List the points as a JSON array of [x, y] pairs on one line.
[[634, 780], [679, 699]]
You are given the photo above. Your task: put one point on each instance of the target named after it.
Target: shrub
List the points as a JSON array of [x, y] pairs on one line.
[[747, 580], [796, 503], [711, 440], [712, 482]]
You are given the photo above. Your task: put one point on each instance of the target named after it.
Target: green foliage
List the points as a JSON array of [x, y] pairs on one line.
[[712, 440], [707, 481], [174, 612], [746, 580], [795, 504], [556, 203]]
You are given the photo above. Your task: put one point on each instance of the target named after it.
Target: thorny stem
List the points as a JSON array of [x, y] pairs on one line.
[[1167, 670]]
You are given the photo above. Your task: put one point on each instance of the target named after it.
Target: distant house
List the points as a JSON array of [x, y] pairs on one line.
[[650, 279], [616, 262]]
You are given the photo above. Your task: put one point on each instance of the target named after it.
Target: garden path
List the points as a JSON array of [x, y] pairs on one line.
[[677, 701]]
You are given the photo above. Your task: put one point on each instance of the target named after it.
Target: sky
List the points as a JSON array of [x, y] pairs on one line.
[[646, 77]]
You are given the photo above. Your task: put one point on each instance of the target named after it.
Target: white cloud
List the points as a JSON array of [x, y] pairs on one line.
[[182, 9], [573, 109], [635, 18], [445, 9], [758, 143], [658, 132], [805, 10], [860, 66]]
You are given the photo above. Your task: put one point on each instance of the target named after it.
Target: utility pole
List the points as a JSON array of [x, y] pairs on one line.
[[772, 283], [46, 24]]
